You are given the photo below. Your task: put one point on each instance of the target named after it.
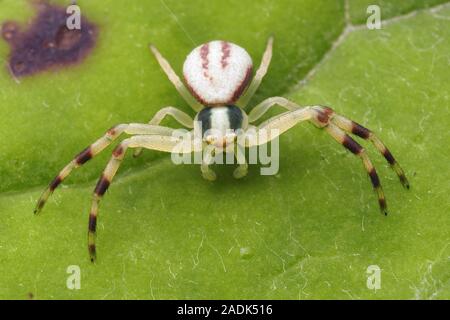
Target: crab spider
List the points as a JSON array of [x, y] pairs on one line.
[[218, 85]]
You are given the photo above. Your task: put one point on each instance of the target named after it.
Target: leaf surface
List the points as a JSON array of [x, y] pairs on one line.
[[309, 232]]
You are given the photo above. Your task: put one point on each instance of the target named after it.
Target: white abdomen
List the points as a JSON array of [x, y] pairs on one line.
[[217, 72]]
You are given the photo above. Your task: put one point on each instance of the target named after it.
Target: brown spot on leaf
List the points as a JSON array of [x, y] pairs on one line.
[[10, 29], [47, 43], [66, 39]]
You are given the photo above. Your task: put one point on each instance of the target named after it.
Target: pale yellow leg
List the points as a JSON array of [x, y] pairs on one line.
[[182, 117], [260, 73], [275, 126], [258, 111], [242, 170], [208, 154], [323, 117], [94, 149], [173, 77], [154, 142], [357, 129]]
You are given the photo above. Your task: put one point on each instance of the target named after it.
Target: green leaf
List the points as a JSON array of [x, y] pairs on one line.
[[309, 232]]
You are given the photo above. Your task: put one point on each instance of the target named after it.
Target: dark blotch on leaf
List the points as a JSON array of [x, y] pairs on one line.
[[47, 42]]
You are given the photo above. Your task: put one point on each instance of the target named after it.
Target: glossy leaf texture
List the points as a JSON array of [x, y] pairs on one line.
[[164, 232]]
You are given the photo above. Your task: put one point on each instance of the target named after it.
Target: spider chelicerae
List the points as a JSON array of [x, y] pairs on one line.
[[218, 86]]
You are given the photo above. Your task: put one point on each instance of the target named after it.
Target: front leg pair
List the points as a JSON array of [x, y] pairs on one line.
[[208, 154], [145, 136], [95, 148], [180, 116], [154, 142], [336, 126]]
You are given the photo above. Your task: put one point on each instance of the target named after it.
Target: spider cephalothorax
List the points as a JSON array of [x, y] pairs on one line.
[[218, 86], [220, 124]]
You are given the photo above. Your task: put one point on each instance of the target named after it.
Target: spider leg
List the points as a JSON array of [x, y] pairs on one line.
[[173, 77], [342, 122], [95, 148], [260, 73], [182, 117], [350, 144], [321, 117], [357, 129], [154, 142], [242, 169], [208, 154], [275, 126], [258, 111]]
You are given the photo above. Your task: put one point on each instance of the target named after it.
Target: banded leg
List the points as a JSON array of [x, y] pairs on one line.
[[173, 77], [182, 117], [154, 142], [344, 139], [357, 129], [260, 73], [95, 148], [322, 117]]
